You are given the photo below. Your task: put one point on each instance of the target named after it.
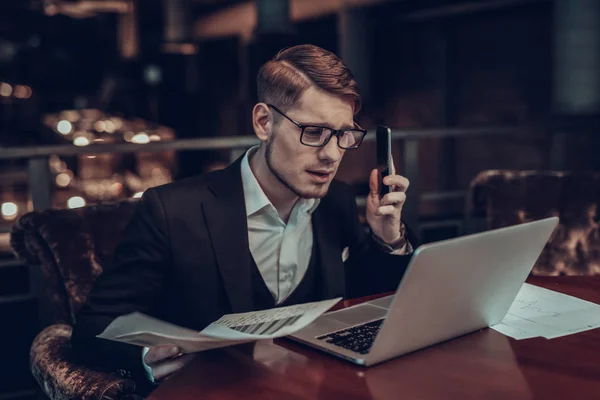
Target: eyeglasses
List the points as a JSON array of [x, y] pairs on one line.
[[319, 136]]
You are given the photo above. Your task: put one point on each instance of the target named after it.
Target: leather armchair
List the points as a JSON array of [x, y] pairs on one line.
[[507, 197], [71, 247]]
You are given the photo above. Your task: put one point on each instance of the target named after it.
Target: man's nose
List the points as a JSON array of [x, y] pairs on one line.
[[331, 151]]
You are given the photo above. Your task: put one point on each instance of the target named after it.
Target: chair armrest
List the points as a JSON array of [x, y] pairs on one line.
[[60, 377]]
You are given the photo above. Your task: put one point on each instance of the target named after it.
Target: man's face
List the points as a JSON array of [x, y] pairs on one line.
[[308, 171]]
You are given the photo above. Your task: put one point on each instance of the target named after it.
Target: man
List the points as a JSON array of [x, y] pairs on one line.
[[272, 229]]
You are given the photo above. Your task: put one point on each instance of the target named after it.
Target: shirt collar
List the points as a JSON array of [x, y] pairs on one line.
[[254, 196]]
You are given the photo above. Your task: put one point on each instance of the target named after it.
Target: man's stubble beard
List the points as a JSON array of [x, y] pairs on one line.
[[283, 181]]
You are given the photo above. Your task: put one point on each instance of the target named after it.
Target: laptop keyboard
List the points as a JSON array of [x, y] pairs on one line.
[[358, 338]]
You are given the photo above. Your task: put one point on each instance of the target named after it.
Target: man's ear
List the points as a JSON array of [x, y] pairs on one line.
[[262, 121]]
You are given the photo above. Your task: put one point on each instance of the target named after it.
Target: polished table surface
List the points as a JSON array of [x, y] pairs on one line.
[[481, 365]]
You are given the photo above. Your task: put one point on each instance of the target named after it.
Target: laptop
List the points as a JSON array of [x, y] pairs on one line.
[[449, 289]]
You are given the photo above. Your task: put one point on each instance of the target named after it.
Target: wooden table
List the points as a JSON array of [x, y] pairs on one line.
[[482, 365]]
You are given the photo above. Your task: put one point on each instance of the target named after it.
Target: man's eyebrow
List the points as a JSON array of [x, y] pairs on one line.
[[326, 125]]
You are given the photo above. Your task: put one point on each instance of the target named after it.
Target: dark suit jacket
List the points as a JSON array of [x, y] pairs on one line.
[[185, 258]]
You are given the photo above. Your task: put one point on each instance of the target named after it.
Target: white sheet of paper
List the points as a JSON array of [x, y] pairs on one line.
[[272, 323], [509, 326], [143, 330], [541, 312]]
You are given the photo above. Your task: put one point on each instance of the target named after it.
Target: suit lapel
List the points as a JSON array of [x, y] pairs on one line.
[[226, 220], [326, 234]]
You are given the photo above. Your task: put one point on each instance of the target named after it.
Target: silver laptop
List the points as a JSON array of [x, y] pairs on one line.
[[450, 288]]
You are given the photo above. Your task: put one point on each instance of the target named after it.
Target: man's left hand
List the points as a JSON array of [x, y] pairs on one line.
[[384, 214]]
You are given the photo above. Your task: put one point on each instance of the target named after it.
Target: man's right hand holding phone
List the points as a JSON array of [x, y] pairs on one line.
[[387, 195]]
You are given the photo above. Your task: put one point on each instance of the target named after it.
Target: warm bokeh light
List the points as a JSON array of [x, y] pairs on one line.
[[140, 138], [154, 138], [76, 202], [70, 115], [118, 122], [63, 179], [100, 126], [109, 126], [50, 10], [64, 127], [81, 141], [116, 188], [5, 89], [28, 92], [9, 210], [22, 92]]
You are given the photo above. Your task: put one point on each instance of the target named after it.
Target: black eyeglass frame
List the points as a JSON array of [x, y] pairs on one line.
[[337, 132]]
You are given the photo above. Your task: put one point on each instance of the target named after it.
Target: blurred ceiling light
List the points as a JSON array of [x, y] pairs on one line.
[[100, 126], [138, 195], [140, 138], [63, 180], [89, 8], [75, 202], [154, 138], [153, 74], [64, 127], [20, 92], [54, 162], [7, 50], [50, 10], [28, 92], [118, 122], [116, 188], [92, 157], [5, 89], [186, 49], [81, 141], [70, 115], [109, 126], [9, 210]]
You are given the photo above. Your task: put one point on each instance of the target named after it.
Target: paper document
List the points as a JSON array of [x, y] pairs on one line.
[[541, 312], [142, 330]]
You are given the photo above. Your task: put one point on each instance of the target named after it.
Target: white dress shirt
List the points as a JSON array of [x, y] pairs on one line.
[[281, 250]]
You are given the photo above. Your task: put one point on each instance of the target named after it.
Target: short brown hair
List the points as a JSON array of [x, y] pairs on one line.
[[282, 80]]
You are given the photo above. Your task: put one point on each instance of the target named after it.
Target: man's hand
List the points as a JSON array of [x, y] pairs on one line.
[[165, 360], [384, 214]]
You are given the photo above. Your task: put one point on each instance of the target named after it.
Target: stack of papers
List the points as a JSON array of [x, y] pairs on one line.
[[541, 312], [231, 329]]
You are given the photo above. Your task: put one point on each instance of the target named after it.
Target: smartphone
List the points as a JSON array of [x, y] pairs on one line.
[[384, 156]]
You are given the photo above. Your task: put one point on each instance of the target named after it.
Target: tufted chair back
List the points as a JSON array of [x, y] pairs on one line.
[[71, 247]]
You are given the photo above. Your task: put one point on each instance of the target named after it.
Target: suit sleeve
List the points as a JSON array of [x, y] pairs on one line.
[[133, 282], [370, 269]]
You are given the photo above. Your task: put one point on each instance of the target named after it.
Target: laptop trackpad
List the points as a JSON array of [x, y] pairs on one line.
[[358, 314]]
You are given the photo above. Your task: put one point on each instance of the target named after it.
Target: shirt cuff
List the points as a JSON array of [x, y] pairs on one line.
[[402, 251], [146, 367]]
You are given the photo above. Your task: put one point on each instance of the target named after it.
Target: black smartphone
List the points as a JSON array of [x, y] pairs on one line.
[[384, 156]]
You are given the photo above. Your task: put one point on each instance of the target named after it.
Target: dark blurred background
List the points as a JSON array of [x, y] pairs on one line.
[[466, 86]]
